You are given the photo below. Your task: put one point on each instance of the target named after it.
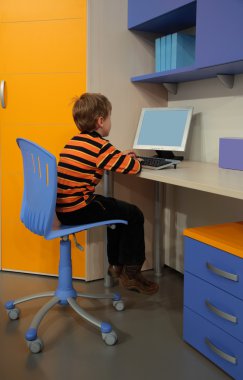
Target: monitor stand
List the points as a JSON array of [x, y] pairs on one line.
[[168, 154]]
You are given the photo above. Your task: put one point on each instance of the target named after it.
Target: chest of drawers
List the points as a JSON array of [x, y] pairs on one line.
[[213, 294]]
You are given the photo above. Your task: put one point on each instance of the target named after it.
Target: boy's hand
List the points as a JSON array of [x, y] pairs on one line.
[[130, 153]]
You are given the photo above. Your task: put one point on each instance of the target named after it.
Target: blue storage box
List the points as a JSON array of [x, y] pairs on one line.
[[231, 153]]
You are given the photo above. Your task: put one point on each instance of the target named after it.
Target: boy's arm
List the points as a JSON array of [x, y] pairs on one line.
[[112, 159]]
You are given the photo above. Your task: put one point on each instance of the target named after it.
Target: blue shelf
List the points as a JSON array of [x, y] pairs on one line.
[[218, 37], [141, 16], [191, 73]]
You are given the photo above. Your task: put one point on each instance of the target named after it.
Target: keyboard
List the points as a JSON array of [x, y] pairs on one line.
[[157, 162]]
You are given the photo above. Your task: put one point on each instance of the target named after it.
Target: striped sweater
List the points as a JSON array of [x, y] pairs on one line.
[[81, 167]]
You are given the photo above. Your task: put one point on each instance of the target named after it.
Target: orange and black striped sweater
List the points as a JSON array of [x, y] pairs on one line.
[[81, 167]]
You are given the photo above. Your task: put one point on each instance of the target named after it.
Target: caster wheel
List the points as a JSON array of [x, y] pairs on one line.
[[13, 314], [110, 338], [119, 305], [35, 346]]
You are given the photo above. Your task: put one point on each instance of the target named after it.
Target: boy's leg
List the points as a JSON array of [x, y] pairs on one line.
[[126, 248], [125, 242]]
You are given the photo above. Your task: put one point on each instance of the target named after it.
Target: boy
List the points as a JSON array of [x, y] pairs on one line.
[[81, 166]]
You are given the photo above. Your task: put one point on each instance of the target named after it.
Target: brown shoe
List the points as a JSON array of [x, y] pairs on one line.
[[115, 271], [132, 279]]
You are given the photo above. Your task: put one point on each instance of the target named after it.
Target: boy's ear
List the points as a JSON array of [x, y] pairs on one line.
[[100, 122]]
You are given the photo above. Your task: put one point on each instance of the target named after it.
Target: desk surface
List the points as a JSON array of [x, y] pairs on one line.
[[200, 176]]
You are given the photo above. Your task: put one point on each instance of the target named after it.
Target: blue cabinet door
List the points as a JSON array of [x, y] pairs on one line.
[[159, 16], [219, 30]]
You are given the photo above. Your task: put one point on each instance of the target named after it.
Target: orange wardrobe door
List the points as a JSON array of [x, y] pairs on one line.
[[29, 10], [21, 250], [41, 100], [43, 69], [42, 46]]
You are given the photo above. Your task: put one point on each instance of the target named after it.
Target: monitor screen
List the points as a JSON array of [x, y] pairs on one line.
[[163, 129]]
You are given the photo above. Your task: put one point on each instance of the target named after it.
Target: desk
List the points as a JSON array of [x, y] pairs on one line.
[[193, 175]]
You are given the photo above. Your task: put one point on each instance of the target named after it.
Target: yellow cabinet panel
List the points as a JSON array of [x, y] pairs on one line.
[[38, 100], [43, 46], [43, 64], [26, 10], [38, 107], [21, 249]]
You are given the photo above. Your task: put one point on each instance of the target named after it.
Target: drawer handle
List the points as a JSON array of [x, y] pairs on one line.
[[222, 354], [222, 273], [2, 89], [221, 313]]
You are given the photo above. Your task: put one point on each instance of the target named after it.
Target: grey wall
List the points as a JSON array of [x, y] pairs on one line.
[[218, 112], [114, 55]]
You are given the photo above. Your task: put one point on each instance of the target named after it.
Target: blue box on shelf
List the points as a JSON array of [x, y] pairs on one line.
[[168, 52], [162, 54], [231, 153], [182, 50], [157, 55]]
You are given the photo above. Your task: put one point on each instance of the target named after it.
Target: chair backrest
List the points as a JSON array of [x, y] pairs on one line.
[[40, 187]]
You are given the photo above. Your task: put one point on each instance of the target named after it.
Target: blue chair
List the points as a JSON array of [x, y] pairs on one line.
[[38, 215]]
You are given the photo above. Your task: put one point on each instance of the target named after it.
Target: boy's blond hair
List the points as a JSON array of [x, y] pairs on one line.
[[88, 108]]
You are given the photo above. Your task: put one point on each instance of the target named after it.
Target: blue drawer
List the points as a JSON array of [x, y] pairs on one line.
[[219, 307], [221, 348], [215, 266]]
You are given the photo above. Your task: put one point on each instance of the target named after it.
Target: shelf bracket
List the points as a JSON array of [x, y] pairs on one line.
[[171, 87], [227, 80]]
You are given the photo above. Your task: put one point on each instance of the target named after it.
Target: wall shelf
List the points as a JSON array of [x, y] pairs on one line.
[[218, 31], [191, 73]]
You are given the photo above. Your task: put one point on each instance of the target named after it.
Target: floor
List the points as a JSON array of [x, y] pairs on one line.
[[150, 342]]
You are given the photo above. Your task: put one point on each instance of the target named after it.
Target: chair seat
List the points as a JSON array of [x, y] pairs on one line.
[[60, 230]]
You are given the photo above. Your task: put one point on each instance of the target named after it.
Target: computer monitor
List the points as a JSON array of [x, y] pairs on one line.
[[163, 130]]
